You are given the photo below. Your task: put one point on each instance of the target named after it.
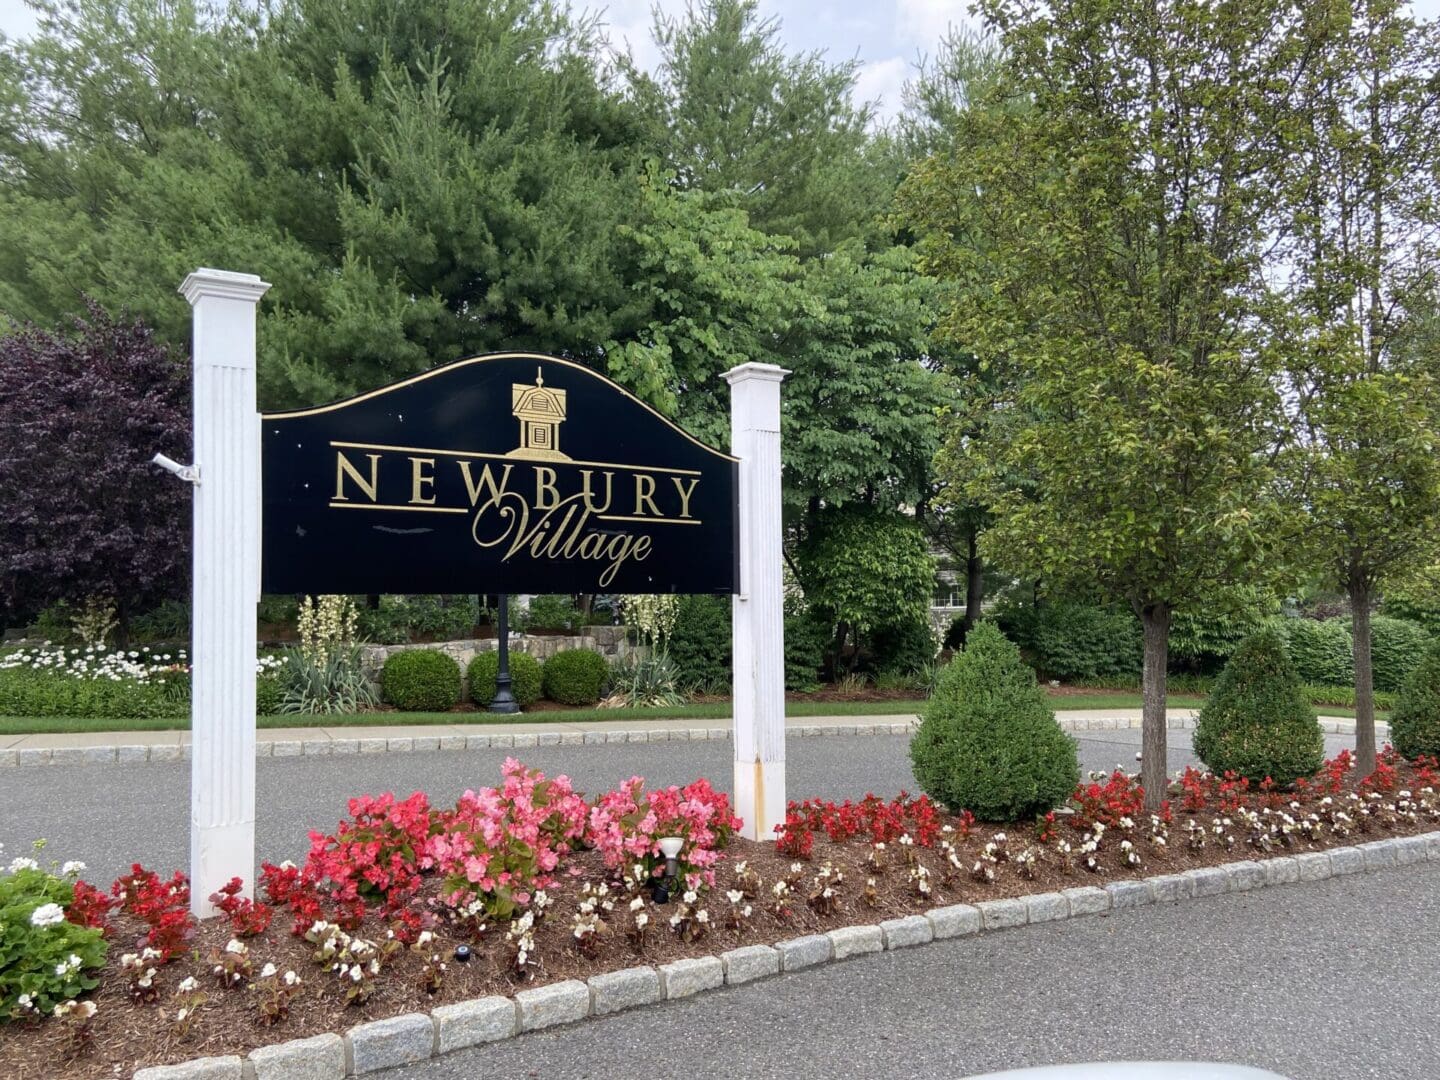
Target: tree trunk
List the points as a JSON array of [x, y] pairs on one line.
[[1153, 752], [1364, 676], [974, 584]]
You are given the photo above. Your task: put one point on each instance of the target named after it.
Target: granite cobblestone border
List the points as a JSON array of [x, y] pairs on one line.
[[132, 754], [415, 1037]]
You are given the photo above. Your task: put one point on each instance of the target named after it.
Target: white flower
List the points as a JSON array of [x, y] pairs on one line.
[[734, 896], [188, 985], [73, 867], [47, 915], [236, 946], [291, 979], [267, 971], [22, 863]]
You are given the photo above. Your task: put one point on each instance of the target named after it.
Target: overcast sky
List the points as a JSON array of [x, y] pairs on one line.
[[886, 36]]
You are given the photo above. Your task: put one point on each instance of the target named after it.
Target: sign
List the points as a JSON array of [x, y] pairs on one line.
[[511, 473]]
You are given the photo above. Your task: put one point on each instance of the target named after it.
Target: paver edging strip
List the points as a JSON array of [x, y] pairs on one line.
[[136, 753], [496, 1018]]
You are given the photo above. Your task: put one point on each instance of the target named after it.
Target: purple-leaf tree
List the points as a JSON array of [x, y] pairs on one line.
[[86, 514]]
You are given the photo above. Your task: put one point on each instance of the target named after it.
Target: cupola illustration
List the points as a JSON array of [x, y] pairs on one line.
[[540, 410]]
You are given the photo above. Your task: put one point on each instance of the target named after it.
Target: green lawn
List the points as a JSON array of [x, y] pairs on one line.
[[25, 725]]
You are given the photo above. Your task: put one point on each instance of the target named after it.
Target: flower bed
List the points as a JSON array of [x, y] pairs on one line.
[[542, 885]]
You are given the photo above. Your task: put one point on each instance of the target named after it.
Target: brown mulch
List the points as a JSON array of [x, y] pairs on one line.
[[127, 1036]]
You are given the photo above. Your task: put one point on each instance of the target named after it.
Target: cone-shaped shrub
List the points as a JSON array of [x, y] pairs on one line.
[[988, 741], [1415, 723], [1257, 722]]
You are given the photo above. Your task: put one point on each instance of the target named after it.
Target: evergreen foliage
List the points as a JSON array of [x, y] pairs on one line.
[[699, 646], [988, 741], [1257, 722]]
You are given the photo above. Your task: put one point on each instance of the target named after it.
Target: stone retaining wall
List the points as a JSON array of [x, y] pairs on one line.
[[608, 641]]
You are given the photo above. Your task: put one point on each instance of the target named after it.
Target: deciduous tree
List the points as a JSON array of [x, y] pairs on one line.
[[1105, 241]]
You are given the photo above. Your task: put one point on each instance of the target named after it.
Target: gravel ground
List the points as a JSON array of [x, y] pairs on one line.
[[109, 816], [1327, 980]]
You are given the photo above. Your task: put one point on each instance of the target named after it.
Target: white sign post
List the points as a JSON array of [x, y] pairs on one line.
[[226, 582], [759, 605]]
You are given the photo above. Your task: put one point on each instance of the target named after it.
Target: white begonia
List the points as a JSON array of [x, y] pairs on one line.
[[47, 915], [267, 971], [188, 985]]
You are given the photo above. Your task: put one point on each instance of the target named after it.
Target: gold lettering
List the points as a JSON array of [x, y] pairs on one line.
[[589, 495], [343, 467], [485, 483], [545, 482], [644, 493], [684, 493], [418, 478]]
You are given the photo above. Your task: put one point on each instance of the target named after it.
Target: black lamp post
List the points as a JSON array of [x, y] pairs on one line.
[[504, 701]]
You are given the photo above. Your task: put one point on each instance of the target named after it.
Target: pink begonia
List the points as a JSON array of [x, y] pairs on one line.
[[626, 826], [500, 845]]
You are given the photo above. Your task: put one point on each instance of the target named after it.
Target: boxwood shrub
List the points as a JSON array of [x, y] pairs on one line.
[[574, 676], [1415, 723], [421, 680], [269, 692], [1257, 723], [988, 741], [525, 677]]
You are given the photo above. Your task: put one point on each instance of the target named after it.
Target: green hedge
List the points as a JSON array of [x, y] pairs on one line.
[[575, 676], [269, 692], [903, 647], [421, 680], [1257, 723], [1077, 641], [1397, 647], [988, 741], [525, 677], [1415, 724], [1320, 652], [24, 692], [805, 641], [699, 646]]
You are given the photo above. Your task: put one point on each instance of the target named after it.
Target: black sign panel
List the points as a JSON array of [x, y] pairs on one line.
[[511, 473]]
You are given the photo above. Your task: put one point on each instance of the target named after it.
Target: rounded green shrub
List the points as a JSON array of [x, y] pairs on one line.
[[574, 676], [420, 680], [988, 741], [1320, 652], [1396, 648], [1257, 721], [699, 646], [1415, 723], [525, 677]]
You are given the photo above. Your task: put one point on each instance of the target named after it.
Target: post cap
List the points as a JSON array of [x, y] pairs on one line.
[[223, 283], [746, 372]]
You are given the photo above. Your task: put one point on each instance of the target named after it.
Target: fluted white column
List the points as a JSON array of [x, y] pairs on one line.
[[759, 606], [226, 583]]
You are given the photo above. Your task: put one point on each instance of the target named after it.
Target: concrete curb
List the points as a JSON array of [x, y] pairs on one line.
[[134, 754], [489, 1019]]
